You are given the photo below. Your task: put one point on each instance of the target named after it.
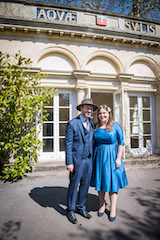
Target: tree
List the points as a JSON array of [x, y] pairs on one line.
[[140, 8], [21, 100]]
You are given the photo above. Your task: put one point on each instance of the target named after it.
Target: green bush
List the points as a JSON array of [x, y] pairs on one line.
[[21, 103]]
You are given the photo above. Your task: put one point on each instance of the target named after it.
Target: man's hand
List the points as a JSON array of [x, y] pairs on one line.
[[70, 167]]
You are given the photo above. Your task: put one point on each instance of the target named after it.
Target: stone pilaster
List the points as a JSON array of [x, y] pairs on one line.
[[81, 87], [157, 150]]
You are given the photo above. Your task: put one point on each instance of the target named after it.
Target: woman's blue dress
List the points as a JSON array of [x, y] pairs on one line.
[[106, 177]]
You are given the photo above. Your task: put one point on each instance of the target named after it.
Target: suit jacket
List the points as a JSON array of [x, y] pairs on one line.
[[75, 142]]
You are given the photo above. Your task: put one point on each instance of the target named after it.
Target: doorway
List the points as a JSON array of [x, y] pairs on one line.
[[101, 99], [141, 120]]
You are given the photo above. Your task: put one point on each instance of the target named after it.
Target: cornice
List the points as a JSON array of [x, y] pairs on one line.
[[84, 75], [62, 21], [80, 33], [19, 22]]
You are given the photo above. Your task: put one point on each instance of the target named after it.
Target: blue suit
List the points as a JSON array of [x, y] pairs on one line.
[[79, 151]]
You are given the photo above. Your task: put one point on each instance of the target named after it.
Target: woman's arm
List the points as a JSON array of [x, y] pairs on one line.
[[119, 156]]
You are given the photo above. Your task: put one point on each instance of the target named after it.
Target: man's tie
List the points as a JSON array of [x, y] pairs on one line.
[[87, 125]]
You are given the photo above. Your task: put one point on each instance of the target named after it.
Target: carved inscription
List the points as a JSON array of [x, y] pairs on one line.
[[52, 14], [140, 27]]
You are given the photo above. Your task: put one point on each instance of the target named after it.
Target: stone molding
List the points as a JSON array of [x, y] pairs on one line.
[[18, 18]]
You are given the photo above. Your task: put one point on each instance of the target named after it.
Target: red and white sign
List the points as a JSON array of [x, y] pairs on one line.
[[101, 20]]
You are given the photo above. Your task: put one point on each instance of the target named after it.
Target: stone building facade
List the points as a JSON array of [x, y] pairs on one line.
[[112, 58]]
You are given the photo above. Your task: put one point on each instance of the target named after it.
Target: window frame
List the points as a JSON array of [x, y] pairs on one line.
[[141, 149], [57, 154]]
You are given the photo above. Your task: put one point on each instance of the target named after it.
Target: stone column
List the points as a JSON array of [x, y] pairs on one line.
[[81, 87], [124, 85], [157, 150], [80, 95], [126, 126]]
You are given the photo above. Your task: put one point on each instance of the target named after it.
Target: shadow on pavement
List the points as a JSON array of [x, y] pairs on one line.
[[145, 226], [10, 230], [56, 196], [136, 226], [148, 223]]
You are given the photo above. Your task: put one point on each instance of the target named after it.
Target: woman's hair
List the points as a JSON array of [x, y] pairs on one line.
[[110, 120]]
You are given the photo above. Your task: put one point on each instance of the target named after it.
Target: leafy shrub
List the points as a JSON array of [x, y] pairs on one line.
[[21, 103]]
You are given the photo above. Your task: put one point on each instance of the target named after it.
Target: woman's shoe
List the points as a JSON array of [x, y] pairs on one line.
[[100, 214], [112, 218]]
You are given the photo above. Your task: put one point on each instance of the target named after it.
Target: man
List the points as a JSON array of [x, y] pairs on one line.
[[79, 149]]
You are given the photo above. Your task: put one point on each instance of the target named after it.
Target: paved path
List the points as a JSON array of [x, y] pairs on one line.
[[34, 209]]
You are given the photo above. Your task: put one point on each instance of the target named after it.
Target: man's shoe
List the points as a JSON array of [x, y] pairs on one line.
[[72, 218], [85, 214]]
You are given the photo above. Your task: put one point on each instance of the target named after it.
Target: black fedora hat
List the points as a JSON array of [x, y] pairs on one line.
[[87, 101]]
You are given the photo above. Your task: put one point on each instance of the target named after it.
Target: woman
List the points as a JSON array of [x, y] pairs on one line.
[[108, 169]]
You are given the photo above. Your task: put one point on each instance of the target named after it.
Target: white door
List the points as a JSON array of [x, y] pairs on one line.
[[118, 100], [141, 120], [118, 106], [60, 109]]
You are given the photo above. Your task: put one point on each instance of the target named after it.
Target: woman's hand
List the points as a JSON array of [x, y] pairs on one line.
[[118, 163]]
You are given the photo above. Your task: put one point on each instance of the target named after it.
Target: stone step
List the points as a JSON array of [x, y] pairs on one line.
[[33, 175], [150, 161], [143, 161], [48, 168]]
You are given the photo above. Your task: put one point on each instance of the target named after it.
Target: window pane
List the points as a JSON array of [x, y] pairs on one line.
[[134, 142], [63, 114], [146, 128], [133, 102], [48, 145], [134, 115], [64, 99], [49, 103], [147, 141], [48, 129], [62, 144], [62, 129], [134, 128], [49, 112], [146, 102], [146, 115]]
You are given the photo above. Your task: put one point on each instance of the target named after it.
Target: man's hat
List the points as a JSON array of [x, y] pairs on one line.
[[87, 101]]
